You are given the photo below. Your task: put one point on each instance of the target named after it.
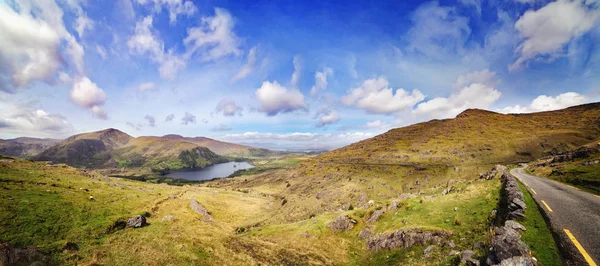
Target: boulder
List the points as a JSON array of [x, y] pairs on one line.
[[514, 225], [375, 216], [21, 256], [506, 243], [136, 222], [393, 206], [405, 238], [467, 256], [195, 205], [365, 233], [517, 261], [342, 223]]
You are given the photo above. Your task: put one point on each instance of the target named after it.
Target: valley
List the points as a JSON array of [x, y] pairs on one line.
[[438, 177]]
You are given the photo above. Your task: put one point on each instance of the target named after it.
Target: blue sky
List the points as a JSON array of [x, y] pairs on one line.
[[287, 74]]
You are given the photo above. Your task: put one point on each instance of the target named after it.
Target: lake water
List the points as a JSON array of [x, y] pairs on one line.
[[213, 171]]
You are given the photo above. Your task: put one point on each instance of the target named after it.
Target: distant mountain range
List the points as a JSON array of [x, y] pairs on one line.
[[111, 148]]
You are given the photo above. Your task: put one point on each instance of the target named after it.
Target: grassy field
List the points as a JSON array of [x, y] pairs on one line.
[[538, 235], [48, 206], [575, 173]]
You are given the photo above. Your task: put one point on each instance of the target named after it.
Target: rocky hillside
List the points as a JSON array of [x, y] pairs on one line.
[[25, 147], [477, 137]]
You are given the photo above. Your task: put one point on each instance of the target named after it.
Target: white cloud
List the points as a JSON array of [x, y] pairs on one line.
[[24, 120], [275, 99], [548, 103], [248, 67], [438, 31], [484, 77], [174, 7], [547, 30], [321, 80], [170, 118], [188, 118], [221, 127], [325, 116], [83, 23], [87, 94], [475, 95], [228, 107], [377, 124], [151, 120], [297, 68], [146, 86], [375, 96], [101, 51], [298, 141], [214, 38], [144, 41]]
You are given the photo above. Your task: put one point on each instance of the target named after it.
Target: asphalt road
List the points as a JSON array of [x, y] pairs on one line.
[[570, 211]]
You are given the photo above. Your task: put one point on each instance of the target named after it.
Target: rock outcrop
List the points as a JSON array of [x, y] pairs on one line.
[[195, 205], [405, 238], [342, 223], [136, 222], [21, 256], [375, 216]]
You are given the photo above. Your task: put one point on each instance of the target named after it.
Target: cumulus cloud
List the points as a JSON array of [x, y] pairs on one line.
[[377, 124], [228, 107], [297, 141], [548, 103], [275, 99], [24, 119], [146, 86], [151, 120], [248, 67], [475, 95], [547, 30], [221, 127], [174, 7], [87, 94], [170, 118], [188, 118], [438, 32], [321, 80], [297, 68], [326, 117], [214, 38], [375, 96]]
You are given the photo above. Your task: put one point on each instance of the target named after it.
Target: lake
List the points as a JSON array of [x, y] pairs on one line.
[[210, 172]]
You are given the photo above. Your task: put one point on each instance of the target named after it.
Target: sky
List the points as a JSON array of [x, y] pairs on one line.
[[287, 75]]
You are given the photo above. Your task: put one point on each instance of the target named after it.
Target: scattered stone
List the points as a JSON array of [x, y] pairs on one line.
[[10, 198], [428, 249], [450, 183], [429, 197], [195, 205], [393, 206], [517, 261], [168, 218], [70, 246], [342, 223], [455, 208], [405, 239], [514, 225], [136, 221], [21, 256], [417, 182], [446, 191], [479, 245], [171, 196], [467, 256], [449, 244], [371, 202], [454, 253], [375, 216], [365, 233], [92, 198]]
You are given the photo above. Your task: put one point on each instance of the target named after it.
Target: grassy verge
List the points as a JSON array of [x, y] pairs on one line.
[[538, 234]]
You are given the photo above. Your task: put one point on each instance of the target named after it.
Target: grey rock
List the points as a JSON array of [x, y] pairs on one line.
[[455, 208], [428, 249], [137, 221], [517, 261], [365, 233], [168, 218], [479, 245], [449, 244], [195, 205], [405, 238], [375, 216], [20, 256], [342, 223], [514, 225], [393, 206], [506, 243], [467, 256]]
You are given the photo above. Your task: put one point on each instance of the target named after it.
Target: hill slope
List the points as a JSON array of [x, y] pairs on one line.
[[25, 147], [112, 148], [223, 148]]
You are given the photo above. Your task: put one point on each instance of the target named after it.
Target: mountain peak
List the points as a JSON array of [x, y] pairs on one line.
[[475, 112], [173, 137]]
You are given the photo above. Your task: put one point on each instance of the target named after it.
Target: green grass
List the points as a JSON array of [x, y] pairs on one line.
[[538, 235]]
